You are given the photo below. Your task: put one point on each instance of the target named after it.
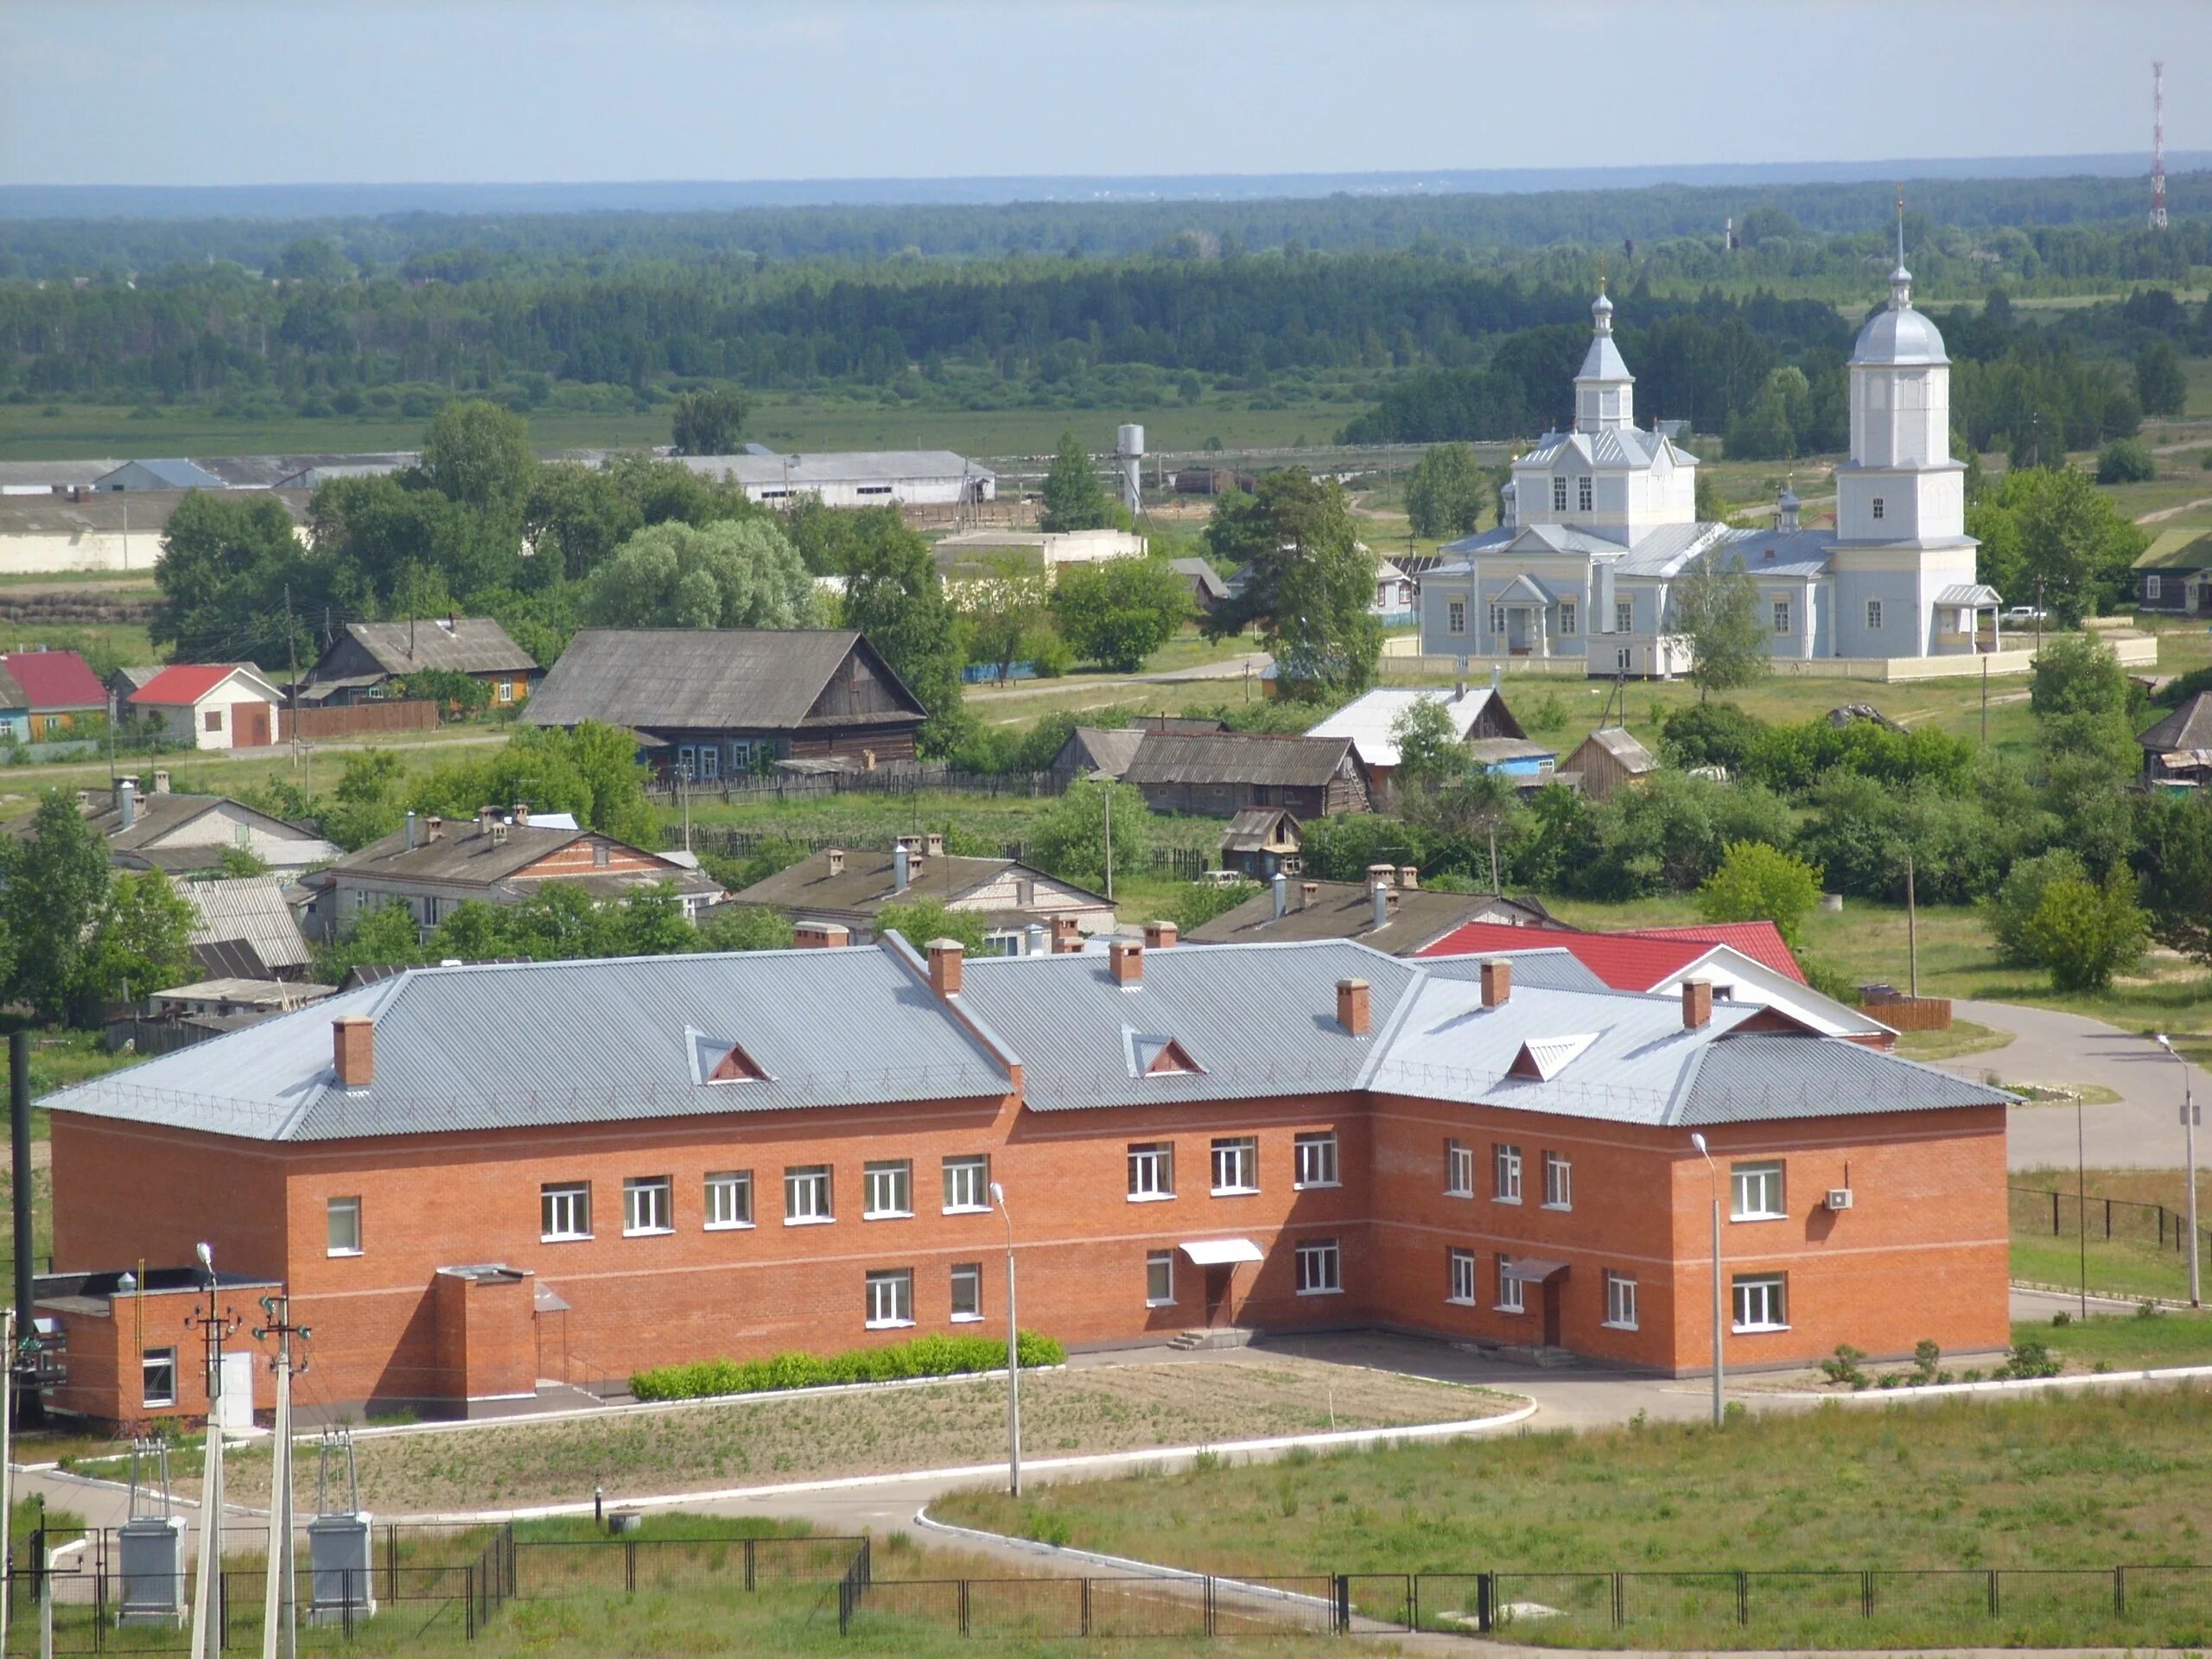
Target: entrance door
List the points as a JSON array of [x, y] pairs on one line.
[[238, 1390], [1551, 1313], [248, 725], [1218, 1274], [1516, 630]]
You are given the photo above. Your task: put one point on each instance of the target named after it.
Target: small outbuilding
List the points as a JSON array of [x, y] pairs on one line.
[[212, 705], [2177, 750], [1609, 760], [1262, 841]]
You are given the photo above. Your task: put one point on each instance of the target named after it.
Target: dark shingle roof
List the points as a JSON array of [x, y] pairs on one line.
[[2189, 727], [1235, 758], [467, 645], [702, 679], [1345, 910], [865, 883]]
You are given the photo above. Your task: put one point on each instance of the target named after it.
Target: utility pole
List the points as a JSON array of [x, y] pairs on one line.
[[1985, 703], [292, 691], [214, 1326], [279, 1611], [1109, 842], [1911, 929], [26, 1402], [1012, 1355]]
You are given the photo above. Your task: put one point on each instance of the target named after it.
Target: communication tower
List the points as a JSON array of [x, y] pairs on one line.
[[2158, 144]]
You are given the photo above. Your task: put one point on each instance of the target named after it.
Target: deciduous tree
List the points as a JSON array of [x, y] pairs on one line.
[[1446, 495], [732, 574], [1716, 608], [1074, 498], [1757, 882], [708, 421], [1310, 586], [1118, 612]]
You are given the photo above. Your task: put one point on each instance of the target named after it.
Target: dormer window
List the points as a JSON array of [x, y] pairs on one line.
[[736, 1066], [1543, 1059], [1160, 1057], [717, 1060]]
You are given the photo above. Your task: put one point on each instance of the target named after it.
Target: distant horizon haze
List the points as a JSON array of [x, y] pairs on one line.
[[806, 103]]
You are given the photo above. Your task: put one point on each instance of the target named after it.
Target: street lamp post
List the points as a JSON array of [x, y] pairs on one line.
[[1012, 1355], [2188, 1159], [1712, 1172]]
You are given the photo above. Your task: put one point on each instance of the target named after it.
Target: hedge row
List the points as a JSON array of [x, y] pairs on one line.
[[932, 1355]]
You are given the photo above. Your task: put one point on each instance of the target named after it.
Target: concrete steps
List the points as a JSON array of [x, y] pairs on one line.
[[1228, 1336]]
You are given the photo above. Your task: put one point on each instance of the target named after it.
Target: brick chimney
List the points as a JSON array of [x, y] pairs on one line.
[[836, 861], [1497, 982], [1382, 876], [821, 935], [944, 967], [1307, 892], [1066, 935], [484, 817], [1126, 957], [522, 814], [434, 827], [353, 1051], [933, 845], [1409, 877], [1157, 935], [1697, 1004], [1353, 1006]]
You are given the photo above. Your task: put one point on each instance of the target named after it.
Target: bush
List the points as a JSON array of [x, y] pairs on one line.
[[1710, 734], [2028, 1359], [1844, 1367], [1926, 1358], [930, 1356], [2127, 461]]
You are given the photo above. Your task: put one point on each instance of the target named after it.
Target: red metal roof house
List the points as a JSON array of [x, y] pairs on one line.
[[60, 686]]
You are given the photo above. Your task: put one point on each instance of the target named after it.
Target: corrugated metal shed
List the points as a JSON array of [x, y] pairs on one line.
[[254, 909]]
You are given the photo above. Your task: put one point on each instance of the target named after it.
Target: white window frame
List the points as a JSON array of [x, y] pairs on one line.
[[333, 1209], [1497, 619], [887, 1190], [1559, 494], [1874, 615], [648, 1205], [1559, 1181], [507, 690], [1566, 618], [1314, 1160], [1781, 615], [808, 1199], [1459, 1170], [1750, 1187], [711, 763], [1455, 616], [1510, 1298], [2153, 586], [1459, 1277], [968, 1276], [1234, 1162], [1585, 497], [563, 1211], [1159, 1271], [729, 1200], [1623, 616], [148, 1360], [968, 1184], [1621, 1310], [1151, 1171], [890, 1304], [1505, 1172], [1321, 1267], [1765, 1295]]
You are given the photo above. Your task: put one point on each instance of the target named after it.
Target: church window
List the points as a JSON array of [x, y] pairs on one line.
[[1582, 494], [1559, 495], [1623, 616], [1877, 506], [1874, 615], [1456, 615], [1781, 616], [1497, 619], [1567, 618]]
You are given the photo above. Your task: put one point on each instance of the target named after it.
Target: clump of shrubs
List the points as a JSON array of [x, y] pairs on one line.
[[930, 1356], [2028, 1359], [1844, 1367]]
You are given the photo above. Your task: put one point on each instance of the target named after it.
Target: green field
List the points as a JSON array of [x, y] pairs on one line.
[[2084, 1481]]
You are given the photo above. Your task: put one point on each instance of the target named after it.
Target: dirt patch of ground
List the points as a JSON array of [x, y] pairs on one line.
[[802, 1437]]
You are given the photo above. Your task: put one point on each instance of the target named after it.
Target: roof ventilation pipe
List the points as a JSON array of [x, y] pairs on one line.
[[1038, 940], [126, 802], [1282, 885], [411, 829], [900, 877], [1380, 893]]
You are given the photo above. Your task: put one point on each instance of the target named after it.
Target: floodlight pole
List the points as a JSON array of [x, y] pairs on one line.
[[2188, 1163], [1713, 1174], [1012, 1355], [2082, 1200]]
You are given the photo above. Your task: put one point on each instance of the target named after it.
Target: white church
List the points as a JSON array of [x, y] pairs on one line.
[[1600, 523]]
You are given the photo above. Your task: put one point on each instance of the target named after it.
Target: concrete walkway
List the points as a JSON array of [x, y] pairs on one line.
[[2142, 1131]]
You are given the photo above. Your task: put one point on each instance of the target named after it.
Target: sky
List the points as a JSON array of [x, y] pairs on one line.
[[246, 91]]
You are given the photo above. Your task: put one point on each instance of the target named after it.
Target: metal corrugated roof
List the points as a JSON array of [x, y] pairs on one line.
[[849, 467], [1369, 719], [252, 908]]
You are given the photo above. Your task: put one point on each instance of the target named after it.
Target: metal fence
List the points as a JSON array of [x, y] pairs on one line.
[[2128, 1221]]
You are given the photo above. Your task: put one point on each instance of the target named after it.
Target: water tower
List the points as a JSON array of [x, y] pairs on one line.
[[1128, 461]]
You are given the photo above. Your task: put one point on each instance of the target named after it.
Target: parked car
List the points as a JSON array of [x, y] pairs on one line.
[[2025, 613]]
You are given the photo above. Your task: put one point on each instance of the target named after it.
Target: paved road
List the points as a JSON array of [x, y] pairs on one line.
[[2142, 1131], [1228, 668]]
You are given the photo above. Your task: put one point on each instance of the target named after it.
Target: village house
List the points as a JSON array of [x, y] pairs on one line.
[[470, 1178], [709, 703], [1220, 774], [1480, 722], [433, 865], [1389, 912], [61, 692], [246, 927], [156, 829], [1262, 842], [2173, 575], [1018, 902], [212, 705], [364, 662], [2177, 750]]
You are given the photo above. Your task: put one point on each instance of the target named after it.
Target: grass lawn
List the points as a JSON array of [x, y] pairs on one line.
[[2125, 1343], [2085, 1481], [1963, 1038], [800, 1436], [2131, 1252]]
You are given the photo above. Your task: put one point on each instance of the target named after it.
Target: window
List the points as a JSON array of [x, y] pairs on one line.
[[889, 1191], [1315, 1157], [564, 1211], [1151, 1171], [1567, 618], [1497, 619], [1877, 506], [157, 1375], [1459, 1170], [1505, 1173], [1559, 495], [1160, 1279], [967, 1292], [1237, 1165], [1758, 1192], [1319, 1268], [2153, 587], [1624, 659], [1620, 1301], [1781, 616], [212, 719], [342, 1223], [1874, 615], [729, 1199], [711, 763], [967, 1184], [1623, 616], [1455, 615], [1509, 1287], [645, 1205], [1760, 1303], [507, 690], [1460, 1281], [806, 1195], [1559, 1182], [1582, 494], [890, 1298]]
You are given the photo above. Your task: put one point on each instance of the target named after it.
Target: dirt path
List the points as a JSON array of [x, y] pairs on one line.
[[2162, 514]]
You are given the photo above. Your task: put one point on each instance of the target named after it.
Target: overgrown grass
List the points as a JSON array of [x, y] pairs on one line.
[[2130, 1252], [1963, 1038], [2124, 1342], [2084, 1481]]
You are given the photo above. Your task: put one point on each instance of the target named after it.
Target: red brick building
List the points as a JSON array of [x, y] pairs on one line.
[[473, 1179]]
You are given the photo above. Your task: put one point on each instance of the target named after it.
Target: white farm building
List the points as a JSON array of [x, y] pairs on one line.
[[869, 478]]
